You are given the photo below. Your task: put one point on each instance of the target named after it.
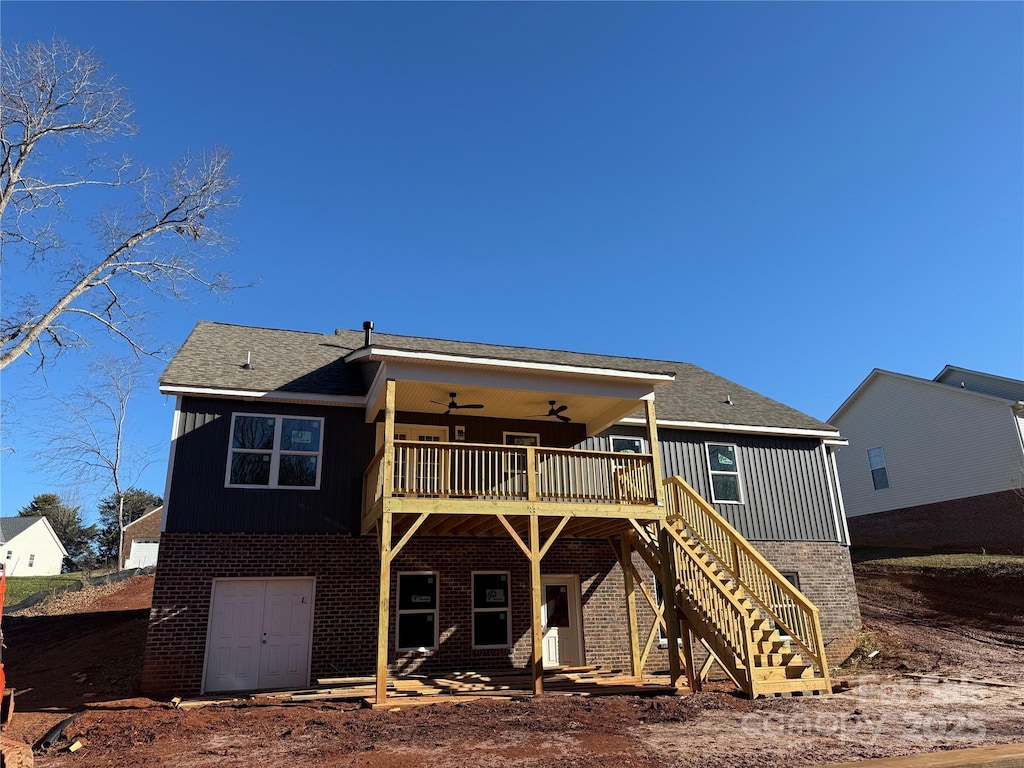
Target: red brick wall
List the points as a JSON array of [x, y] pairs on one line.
[[146, 527], [345, 605], [993, 522]]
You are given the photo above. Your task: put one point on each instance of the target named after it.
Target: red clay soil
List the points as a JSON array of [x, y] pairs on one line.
[[927, 622]]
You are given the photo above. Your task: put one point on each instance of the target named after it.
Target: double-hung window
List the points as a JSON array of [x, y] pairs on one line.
[[492, 627], [879, 474], [31, 560], [725, 474], [274, 451], [417, 611]]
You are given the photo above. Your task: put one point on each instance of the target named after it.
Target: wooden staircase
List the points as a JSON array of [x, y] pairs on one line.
[[757, 626]]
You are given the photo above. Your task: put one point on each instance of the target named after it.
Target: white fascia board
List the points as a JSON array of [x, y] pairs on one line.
[[354, 401], [375, 392], [373, 353], [745, 428], [53, 533]]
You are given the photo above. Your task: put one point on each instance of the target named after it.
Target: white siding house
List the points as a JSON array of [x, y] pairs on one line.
[[29, 547], [933, 456]]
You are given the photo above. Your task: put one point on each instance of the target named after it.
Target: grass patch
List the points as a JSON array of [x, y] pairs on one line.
[[922, 558], [20, 587]]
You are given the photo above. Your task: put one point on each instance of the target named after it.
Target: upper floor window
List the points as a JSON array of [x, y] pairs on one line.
[[274, 452], [31, 560], [876, 461], [10, 553], [622, 444], [725, 474]]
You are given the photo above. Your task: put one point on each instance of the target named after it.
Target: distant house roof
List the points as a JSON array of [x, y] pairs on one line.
[[951, 379], [144, 515], [13, 526], [214, 356], [979, 381]]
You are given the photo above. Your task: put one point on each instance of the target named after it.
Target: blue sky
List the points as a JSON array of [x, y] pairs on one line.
[[787, 194]]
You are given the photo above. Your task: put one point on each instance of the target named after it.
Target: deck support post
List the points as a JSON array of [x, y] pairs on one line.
[[385, 529], [693, 681], [626, 562], [668, 591], [537, 652]]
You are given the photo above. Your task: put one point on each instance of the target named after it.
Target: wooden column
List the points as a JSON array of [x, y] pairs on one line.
[[384, 526], [692, 678], [668, 591], [655, 448], [626, 562], [537, 652]]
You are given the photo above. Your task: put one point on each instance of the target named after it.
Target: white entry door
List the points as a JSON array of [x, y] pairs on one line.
[[560, 614], [260, 634]]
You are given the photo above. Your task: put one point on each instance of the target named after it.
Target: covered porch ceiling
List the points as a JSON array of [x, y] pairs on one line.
[[594, 397]]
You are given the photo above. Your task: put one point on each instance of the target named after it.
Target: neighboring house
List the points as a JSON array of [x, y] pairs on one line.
[[29, 547], [140, 540], [358, 504], [934, 463]]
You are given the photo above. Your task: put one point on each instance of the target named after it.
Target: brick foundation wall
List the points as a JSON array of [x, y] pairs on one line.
[[993, 522], [146, 527], [826, 577], [346, 599]]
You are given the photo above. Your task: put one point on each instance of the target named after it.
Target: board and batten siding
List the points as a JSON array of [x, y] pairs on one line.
[[198, 500], [785, 481], [940, 443]]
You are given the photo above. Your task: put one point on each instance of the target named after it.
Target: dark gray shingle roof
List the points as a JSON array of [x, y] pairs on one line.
[[13, 526], [293, 361]]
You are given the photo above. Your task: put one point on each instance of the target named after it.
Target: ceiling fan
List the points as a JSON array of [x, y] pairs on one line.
[[454, 406], [553, 411]]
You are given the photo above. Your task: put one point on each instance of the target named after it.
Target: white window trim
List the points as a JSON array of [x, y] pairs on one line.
[[275, 453], [507, 609], [713, 472], [885, 466], [399, 612], [644, 448]]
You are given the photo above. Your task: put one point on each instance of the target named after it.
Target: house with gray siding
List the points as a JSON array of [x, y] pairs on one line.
[[934, 463], [369, 504]]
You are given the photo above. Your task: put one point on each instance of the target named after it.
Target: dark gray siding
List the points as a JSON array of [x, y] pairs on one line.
[[785, 485], [199, 501]]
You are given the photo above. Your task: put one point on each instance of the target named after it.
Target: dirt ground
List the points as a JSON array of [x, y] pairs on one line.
[[85, 655]]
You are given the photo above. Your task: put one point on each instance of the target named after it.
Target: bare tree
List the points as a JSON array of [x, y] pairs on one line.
[[56, 98], [89, 442]]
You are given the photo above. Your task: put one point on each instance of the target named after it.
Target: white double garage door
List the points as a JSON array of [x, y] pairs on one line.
[[260, 634]]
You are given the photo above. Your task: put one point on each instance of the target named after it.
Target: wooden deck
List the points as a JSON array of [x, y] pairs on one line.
[[464, 686]]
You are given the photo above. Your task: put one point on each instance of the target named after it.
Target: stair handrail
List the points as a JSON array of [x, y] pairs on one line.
[[708, 593], [749, 568]]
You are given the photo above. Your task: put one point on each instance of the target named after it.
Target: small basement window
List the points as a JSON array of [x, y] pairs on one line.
[[879, 474], [417, 612], [725, 474], [274, 452], [492, 626]]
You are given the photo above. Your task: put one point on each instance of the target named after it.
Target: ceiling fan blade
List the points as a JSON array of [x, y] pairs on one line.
[[447, 412], [439, 403], [559, 409], [563, 418], [472, 405]]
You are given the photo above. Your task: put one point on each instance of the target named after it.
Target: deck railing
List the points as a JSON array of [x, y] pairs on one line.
[[510, 473], [793, 614]]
